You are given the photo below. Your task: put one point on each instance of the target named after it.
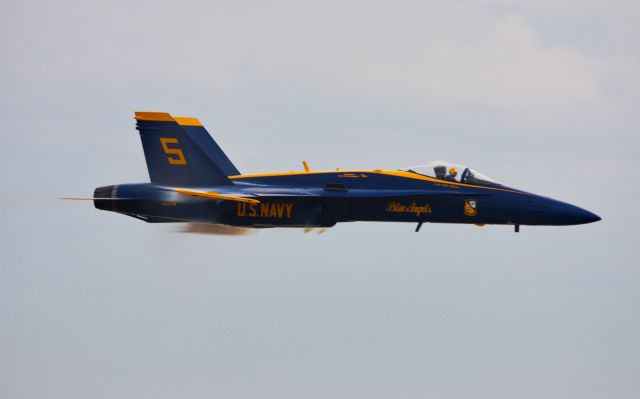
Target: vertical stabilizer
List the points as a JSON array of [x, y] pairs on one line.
[[197, 132], [176, 154]]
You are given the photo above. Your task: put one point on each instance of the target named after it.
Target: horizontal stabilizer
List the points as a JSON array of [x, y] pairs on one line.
[[216, 196]]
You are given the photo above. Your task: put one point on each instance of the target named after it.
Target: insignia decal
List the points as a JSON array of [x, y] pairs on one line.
[[416, 209], [175, 155], [471, 207], [265, 210]]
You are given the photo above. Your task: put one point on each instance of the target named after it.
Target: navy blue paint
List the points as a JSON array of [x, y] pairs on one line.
[[305, 200], [203, 139], [201, 169]]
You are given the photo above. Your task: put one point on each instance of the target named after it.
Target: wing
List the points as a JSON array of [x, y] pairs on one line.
[[359, 193]]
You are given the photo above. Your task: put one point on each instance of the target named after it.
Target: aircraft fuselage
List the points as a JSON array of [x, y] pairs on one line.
[[322, 199]]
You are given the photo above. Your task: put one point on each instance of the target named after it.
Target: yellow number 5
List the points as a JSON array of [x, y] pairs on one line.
[[176, 156]]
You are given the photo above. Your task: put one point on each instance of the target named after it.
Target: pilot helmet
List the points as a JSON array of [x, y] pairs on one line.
[[453, 170]]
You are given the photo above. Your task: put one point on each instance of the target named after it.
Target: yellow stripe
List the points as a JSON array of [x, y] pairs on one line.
[[165, 117], [154, 116], [212, 195], [410, 175], [397, 173], [292, 173], [187, 121]]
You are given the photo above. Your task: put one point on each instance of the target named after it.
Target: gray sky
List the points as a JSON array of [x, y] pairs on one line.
[[539, 95]]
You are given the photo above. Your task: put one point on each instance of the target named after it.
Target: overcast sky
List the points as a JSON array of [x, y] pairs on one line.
[[540, 95]]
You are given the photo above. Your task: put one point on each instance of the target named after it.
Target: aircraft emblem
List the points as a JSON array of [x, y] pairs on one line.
[[471, 207]]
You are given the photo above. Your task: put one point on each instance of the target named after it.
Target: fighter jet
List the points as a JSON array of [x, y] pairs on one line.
[[193, 180]]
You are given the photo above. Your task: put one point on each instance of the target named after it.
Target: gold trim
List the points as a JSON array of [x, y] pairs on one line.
[[214, 195], [187, 121], [154, 116], [397, 173]]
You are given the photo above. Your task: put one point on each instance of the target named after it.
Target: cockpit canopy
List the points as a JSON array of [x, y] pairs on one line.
[[452, 172]]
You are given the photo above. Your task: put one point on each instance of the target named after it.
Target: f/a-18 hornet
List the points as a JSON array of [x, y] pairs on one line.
[[192, 180]]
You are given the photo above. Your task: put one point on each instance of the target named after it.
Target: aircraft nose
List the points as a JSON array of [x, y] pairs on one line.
[[582, 216], [567, 214]]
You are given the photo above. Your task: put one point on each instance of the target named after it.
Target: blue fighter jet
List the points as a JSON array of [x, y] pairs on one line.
[[192, 180]]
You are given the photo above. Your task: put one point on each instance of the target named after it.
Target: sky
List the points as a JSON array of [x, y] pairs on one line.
[[539, 95]]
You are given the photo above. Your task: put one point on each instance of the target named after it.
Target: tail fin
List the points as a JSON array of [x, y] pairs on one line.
[[180, 152], [197, 132]]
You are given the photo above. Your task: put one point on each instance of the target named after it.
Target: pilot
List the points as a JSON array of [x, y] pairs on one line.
[[453, 172]]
